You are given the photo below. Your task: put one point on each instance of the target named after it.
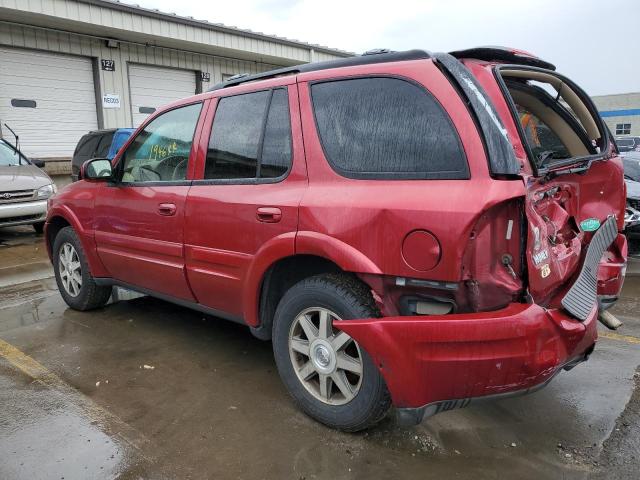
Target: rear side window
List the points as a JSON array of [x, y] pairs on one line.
[[386, 128], [250, 137]]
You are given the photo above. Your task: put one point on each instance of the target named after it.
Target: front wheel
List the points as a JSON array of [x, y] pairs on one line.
[[327, 373], [76, 285]]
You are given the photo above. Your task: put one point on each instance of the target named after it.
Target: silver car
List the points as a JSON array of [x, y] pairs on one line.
[[24, 189]]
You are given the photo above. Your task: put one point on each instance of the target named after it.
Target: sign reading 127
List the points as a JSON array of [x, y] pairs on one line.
[[108, 65]]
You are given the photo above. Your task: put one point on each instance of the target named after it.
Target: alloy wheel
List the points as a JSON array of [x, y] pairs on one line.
[[70, 269], [328, 362]]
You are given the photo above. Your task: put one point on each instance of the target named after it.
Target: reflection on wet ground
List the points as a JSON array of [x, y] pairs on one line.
[[77, 401]]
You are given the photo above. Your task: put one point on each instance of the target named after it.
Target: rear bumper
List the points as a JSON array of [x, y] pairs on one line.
[[436, 363]]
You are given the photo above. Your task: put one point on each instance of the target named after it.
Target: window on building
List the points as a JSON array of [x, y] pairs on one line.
[[623, 129], [386, 128], [160, 152], [235, 149]]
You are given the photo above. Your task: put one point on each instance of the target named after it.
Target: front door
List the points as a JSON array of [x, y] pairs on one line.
[[245, 197], [140, 217]]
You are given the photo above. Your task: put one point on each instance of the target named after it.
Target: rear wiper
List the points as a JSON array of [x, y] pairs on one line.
[[544, 157], [567, 171]]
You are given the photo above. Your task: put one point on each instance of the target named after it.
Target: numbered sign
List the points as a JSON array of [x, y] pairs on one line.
[[108, 65]]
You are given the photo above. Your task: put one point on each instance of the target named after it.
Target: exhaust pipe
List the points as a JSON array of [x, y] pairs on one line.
[[609, 320]]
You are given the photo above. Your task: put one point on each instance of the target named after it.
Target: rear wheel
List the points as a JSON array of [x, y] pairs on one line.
[[76, 285], [329, 376]]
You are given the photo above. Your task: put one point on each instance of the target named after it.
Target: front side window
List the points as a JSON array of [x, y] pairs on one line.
[[623, 129], [250, 137], [160, 152], [386, 128]]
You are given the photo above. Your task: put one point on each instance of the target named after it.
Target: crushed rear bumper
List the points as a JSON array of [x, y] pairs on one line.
[[437, 363]]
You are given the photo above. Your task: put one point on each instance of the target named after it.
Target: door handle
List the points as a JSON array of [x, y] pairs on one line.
[[167, 209], [269, 214]]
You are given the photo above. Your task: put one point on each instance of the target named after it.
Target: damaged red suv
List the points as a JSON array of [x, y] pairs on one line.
[[410, 229]]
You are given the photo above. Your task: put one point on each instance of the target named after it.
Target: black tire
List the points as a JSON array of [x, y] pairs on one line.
[[349, 298], [90, 294], [38, 227]]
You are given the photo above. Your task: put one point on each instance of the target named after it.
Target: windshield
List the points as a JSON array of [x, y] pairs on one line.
[[8, 156]]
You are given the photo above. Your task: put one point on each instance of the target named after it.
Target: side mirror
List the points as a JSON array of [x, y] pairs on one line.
[[38, 163], [96, 170]]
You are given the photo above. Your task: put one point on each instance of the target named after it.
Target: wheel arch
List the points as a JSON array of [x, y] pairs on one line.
[[61, 217], [287, 259]]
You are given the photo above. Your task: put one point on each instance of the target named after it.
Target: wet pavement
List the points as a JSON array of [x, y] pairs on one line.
[[145, 389]]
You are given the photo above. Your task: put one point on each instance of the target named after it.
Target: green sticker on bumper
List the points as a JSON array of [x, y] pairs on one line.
[[590, 225]]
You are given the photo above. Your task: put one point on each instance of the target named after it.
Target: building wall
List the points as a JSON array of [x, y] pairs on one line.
[[116, 82], [87, 16], [619, 109]]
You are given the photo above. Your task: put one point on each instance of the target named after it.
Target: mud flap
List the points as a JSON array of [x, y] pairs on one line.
[[582, 295]]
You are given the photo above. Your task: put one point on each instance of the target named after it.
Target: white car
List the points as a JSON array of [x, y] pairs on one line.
[[24, 189]]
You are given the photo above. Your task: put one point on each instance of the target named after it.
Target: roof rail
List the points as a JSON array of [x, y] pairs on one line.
[[372, 56]]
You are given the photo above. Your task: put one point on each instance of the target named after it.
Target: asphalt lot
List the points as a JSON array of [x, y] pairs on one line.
[[145, 389]]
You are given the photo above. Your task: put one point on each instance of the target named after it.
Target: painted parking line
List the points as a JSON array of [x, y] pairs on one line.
[[108, 422], [621, 338]]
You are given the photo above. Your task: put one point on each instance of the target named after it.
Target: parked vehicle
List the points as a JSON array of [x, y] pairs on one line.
[[628, 144], [24, 189], [385, 220], [98, 144], [631, 162]]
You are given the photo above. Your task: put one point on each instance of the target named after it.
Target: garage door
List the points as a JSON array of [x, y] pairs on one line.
[[152, 87], [48, 99]]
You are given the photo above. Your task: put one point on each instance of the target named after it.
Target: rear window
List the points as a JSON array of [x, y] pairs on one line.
[[386, 128], [558, 123], [104, 145], [87, 147]]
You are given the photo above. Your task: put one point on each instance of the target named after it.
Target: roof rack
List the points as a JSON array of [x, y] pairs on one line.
[[503, 54], [372, 56]]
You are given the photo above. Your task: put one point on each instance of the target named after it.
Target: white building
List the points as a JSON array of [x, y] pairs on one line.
[[621, 112], [71, 66]]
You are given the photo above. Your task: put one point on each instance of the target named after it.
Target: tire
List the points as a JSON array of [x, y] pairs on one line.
[[82, 295], [38, 227], [343, 297]]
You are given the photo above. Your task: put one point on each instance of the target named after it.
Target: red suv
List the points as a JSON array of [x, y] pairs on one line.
[[408, 228]]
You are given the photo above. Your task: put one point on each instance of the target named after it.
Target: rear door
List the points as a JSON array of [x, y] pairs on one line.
[[246, 195], [139, 219], [575, 196]]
